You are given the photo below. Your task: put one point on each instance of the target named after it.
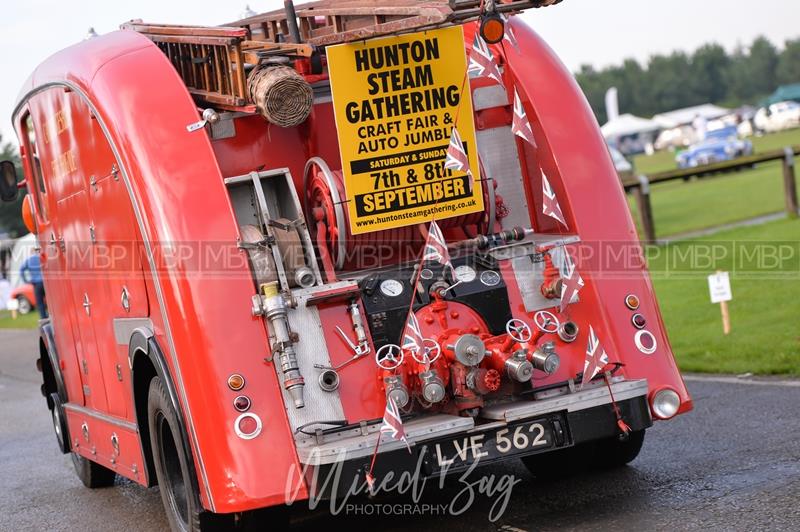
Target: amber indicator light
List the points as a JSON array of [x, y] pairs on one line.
[[492, 28], [235, 382], [631, 301]]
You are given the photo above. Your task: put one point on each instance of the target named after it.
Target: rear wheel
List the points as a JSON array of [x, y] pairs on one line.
[[607, 453], [178, 487], [179, 492], [614, 452]]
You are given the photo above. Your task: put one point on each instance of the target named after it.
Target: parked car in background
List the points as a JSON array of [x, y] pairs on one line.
[[25, 297], [623, 165], [719, 145], [778, 116]]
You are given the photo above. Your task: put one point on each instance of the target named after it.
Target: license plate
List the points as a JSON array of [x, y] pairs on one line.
[[522, 439]]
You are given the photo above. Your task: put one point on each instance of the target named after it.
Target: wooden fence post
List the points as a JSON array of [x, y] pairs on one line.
[[641, 193], [789, 184]]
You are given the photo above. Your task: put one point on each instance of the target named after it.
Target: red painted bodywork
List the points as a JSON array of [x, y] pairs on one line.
[[127, 108]]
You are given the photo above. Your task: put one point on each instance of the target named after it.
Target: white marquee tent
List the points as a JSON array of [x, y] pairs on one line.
[[628, 124]]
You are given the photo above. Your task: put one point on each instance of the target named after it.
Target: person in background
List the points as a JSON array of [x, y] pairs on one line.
[[700, 125], [31, 272]]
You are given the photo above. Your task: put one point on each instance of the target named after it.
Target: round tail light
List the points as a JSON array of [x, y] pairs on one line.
[[645, 342], [247, 426], [665, 403]]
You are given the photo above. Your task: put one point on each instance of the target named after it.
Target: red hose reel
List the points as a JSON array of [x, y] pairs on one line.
[[326, 205]]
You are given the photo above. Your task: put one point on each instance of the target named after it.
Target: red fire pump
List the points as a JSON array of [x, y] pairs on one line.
[[459, 350]]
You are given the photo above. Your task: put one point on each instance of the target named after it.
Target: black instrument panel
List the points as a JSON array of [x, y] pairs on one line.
[[474, 280]]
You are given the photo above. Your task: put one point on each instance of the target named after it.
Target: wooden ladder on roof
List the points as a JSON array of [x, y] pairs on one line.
[[329, 22], [213, 61]]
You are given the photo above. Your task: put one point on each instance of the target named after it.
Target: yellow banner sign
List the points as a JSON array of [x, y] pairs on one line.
[[396, 100]]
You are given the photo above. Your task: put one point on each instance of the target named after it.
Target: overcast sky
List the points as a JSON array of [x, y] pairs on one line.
[[597, 32]]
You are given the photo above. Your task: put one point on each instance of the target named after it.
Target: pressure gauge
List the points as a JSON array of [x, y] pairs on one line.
[[465, 274], [490, 278], [391, 288]]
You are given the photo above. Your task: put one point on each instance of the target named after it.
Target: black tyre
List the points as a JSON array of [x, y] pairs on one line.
[[92, 474], [178, 485], [561, 463], [608, 453], [25, 306], [179, 491], [59, 423], [614, 452]]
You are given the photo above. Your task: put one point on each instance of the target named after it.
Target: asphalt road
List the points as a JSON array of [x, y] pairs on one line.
[[733, 463]]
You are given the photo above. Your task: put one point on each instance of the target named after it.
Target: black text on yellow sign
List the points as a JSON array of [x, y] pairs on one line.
[[396, 100]]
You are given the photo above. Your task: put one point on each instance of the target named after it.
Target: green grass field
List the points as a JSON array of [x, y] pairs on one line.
[[23, 321], [764, 262], [680, 206]]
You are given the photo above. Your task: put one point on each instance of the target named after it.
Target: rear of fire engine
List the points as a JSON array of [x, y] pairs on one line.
[[428, 258]]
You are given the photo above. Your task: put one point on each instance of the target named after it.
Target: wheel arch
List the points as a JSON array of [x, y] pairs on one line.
[[147, 361], [48, 364]]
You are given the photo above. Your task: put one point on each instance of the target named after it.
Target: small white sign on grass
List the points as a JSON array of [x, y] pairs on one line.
[[719, 286]]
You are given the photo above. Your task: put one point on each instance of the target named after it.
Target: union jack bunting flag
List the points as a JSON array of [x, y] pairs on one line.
[[596, 358], [571, 281], [393, 423], [436, 247], [457, 158], [481, 61], [520, 126], [550, 206], [412, 337], [509, 36]]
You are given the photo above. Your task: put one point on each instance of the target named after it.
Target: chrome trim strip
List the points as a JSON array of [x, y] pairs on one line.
[[124, 327], [100, 416], [150, 259], [353, 444], [597, 395]]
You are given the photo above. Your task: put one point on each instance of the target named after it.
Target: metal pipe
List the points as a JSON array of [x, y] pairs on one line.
[[518, 367], [431, 386], [358, 327], [329, 380], [304, 277], [277, 315], [291, 20], [396, 389], [568, 331], [545, 358]]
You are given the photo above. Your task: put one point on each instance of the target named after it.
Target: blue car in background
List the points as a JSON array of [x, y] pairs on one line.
[[719, 145]]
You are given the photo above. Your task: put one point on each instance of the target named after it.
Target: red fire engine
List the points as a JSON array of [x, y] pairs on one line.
[[235, 221]]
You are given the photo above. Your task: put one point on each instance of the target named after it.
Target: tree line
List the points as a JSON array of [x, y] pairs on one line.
[[709, 74]]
